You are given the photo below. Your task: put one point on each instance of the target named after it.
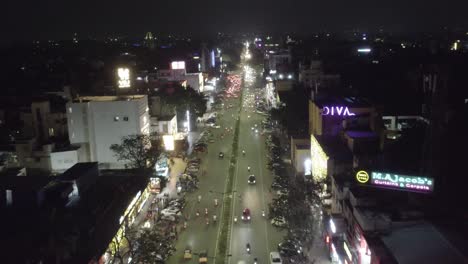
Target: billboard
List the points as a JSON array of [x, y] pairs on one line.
[[123, 75], [178, 65], [396, 181]]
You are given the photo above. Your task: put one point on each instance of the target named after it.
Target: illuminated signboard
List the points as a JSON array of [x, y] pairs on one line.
[[336, 111], [362, 176], [178, 65], [124, 77], [397, 181]]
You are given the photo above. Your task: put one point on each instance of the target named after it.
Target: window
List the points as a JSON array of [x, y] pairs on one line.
[[116, 118], [125, 118]]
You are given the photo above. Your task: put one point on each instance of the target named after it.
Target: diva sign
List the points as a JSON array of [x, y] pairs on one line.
[[336, 111]]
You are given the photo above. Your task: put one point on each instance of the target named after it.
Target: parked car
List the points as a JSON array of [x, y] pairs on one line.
[[288, 248], [275, 258], [279, 221]]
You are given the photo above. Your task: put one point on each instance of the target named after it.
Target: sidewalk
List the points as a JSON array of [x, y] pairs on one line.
[[316, 251]]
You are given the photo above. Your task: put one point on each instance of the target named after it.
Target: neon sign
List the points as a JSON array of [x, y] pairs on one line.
[[362, 176], [336, 110], [397, 181]]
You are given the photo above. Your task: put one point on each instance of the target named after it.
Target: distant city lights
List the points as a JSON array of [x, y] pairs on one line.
[[364, 50]]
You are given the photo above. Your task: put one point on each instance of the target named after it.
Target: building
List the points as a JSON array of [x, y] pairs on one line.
[[71, 218], [314, 78], [329, 116], [329, 156], [51, 157], [300, 155], [97, 122], [164, 125], [178, 73]]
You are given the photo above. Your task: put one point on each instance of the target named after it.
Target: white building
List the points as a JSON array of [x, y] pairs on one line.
[[97, 122], [164, 125], [194, 80]]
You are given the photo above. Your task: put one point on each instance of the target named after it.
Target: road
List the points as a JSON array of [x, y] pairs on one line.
[[262, 236], [199, 236]]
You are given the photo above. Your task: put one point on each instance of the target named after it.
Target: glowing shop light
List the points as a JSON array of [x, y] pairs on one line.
[[123, 77]]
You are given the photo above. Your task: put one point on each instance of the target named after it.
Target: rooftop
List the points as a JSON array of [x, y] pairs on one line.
[[334, 148], [353, 102], [421, 243], [78, 170], [361, 134], [107, 98]]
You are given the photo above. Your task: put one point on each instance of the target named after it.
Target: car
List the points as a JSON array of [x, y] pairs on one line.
[[251, 179], [170, 218], [188, 253], [288, 248], [275, 258], [279, 222], [203, 256], [246, 214], [221, 155]]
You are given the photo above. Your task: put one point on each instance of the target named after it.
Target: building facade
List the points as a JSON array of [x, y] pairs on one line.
[[97, 122]]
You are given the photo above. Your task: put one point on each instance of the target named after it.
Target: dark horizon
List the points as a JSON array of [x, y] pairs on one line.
[[52, 19]]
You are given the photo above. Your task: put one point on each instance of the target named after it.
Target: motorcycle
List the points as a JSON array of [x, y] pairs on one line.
[[207, 221], [216, 202], [248, 168], [248, 248], [255, 261], [235, 219], [243, 153], [263, 213], [206, 211], [214, 218]]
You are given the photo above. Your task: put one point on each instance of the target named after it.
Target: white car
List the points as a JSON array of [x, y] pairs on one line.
[[275, 258], [279, 222], [171, 211]]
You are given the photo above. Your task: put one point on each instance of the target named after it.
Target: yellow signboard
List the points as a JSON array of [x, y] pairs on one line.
[[362, 176]]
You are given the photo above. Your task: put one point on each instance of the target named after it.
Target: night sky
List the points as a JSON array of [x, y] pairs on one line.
[[33, 19]]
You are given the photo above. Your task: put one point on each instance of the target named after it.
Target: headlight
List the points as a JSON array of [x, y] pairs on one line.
[[242, 217], [254, 181], [299, 252], [248, 217]]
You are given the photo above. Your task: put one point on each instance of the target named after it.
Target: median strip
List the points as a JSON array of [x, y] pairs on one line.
[[224, 235]]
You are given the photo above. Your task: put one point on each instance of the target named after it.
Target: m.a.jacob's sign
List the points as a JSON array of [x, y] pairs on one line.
[[396, 181]]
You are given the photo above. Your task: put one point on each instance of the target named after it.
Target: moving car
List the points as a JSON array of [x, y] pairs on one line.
[[203, 257], [246, 214], [275, 258], [188, 253], [251, 179]]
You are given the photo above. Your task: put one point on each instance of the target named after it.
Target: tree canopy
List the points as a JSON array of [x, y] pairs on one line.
[[138, 151]]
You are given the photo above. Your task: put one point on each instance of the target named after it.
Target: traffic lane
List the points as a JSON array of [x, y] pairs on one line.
[[198, 235], [274, 234], [249, 196]]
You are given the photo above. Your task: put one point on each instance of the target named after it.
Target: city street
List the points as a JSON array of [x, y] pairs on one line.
[[262, 236], [259, 232], [199, 236]]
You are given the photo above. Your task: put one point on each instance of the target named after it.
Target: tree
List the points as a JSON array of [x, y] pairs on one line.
[[183, 99], [138, 151], [151, 246]]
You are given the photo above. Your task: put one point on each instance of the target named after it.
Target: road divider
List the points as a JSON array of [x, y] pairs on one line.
[[223, 241]]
